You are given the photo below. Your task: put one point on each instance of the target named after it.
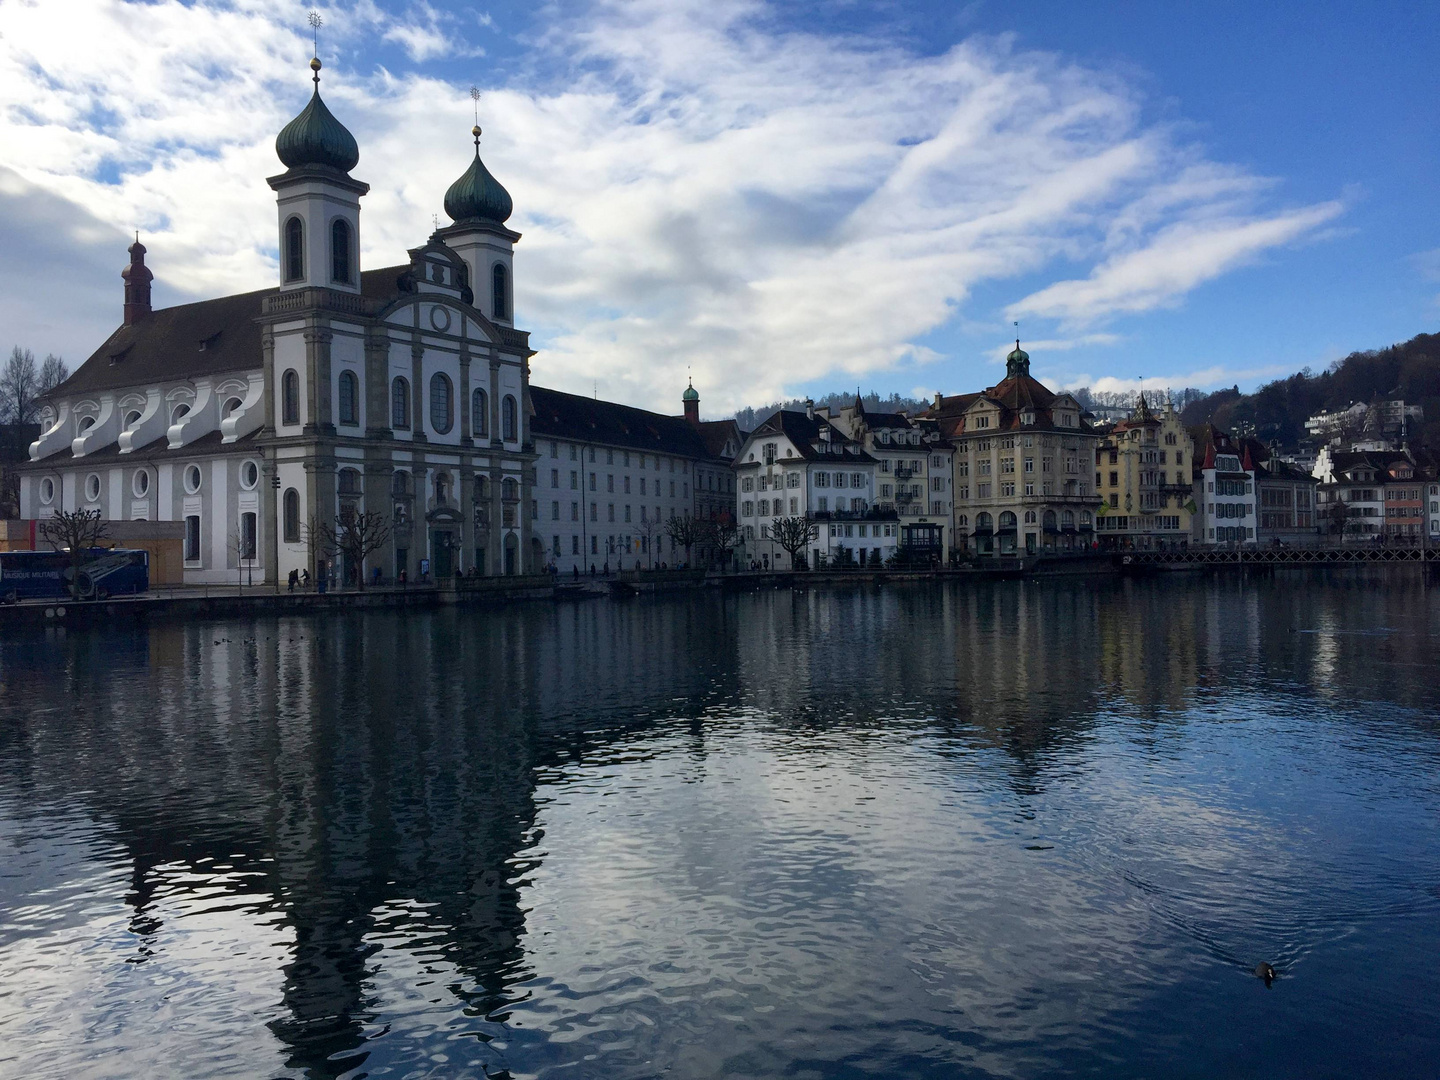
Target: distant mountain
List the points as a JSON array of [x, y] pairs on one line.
[[1278, 410]]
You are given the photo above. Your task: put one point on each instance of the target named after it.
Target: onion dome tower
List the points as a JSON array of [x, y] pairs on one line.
[[479, 206], [691, 398], [1017, 363], [477, 196], [137, 278], [318, 200]]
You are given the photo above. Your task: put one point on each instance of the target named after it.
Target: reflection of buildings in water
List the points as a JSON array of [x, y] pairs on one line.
[[363, 768]]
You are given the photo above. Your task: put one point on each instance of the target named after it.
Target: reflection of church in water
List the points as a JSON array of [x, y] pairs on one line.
[[250, 418]]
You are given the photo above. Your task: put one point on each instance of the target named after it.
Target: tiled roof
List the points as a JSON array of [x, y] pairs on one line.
[[189, 341], [580, 419], [804, 432], [716, 433]]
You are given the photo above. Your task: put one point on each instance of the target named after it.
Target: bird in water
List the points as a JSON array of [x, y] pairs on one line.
[[1266, 971]]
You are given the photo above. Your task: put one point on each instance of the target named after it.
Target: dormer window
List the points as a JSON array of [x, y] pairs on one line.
[[1027, 418], [982, 421]]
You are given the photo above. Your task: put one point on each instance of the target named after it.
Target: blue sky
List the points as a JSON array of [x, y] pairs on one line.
[[778, 198]]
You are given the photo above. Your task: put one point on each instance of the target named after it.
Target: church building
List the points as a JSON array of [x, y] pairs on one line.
[[255, 419]]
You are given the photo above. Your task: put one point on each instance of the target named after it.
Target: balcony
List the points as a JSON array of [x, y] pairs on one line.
[[874, 513]]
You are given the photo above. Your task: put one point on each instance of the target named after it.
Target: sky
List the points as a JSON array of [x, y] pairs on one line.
[[772, 197]]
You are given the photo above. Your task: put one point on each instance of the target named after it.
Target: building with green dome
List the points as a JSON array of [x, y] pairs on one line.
[[260, 424]]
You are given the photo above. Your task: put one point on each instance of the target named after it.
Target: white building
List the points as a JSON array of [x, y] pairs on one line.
[[799, 464], [256, 418], [913, 474], [610, 478], [1225, 500]]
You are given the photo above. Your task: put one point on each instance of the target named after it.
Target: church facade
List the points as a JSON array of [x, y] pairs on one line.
[[255, 419]]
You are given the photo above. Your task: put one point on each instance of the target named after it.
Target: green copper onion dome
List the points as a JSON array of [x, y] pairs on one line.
[[691, 394], [1017, 363], [478, 196], [315, 137]]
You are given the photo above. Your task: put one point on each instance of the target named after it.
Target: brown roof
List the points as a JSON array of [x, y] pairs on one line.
[[804, 432], [191, 341], [559, 415], [1013, 395], [716, 433]]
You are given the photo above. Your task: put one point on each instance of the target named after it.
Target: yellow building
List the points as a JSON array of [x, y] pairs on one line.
[[1143, 474]]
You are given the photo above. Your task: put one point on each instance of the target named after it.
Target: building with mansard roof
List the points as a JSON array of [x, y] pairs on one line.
[[914, 473], [800, 464], [1023, 461]]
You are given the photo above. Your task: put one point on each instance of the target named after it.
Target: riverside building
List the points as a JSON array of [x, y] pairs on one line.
[[257, 418], [1224, 479], [799, 464], [914, 474], [1022, 467], [610, 477], [1143, 475]]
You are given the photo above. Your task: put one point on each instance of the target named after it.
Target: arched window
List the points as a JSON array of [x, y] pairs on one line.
[[230, 408], [963, 521], [984, 521], [349, 396], [440, 413], [294, 250], [1049, 520], [500, 291], [1007, 520], [509, 490], [507, 419], [400, 484], [349, 481], [480, 414], [1029, 517], [340, 251], [179, 413], [132, 418], [292, 516], [1085, 521], [1067, 519], [86, 423], [290, 397], [400, 404]]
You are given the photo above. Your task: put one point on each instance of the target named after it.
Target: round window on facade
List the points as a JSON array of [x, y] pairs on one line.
[[192, 478], [92, 487], [47, 491], [140, 484], [249, 475]]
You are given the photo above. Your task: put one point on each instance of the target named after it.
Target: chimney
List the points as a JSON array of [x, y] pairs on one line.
[[810, 408], [137, 278]]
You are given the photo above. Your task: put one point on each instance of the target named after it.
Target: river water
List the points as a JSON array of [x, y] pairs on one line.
[[1007, 829]]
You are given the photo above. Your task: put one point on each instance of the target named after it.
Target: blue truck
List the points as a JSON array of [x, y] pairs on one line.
[[47, 575]]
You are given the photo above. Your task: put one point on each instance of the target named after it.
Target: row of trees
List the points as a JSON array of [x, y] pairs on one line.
[[23, 382]]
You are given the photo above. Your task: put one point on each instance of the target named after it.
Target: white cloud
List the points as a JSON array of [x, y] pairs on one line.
[[697, 192], [1174, 261]]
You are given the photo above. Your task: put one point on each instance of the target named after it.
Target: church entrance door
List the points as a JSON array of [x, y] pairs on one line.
[[442, 544]]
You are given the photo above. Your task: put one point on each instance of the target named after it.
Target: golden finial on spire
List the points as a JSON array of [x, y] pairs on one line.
[[315, 23], [475, 97]]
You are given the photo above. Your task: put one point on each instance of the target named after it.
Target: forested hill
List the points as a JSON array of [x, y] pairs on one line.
[[1278, 410]]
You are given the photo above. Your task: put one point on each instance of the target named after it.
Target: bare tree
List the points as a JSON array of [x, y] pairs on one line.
[[53, 372], [19, 387], [318, 545], [723, 535], [651, 530], [357, 535], [794, 534], [75, 531], [684, 532], [243, 548]]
